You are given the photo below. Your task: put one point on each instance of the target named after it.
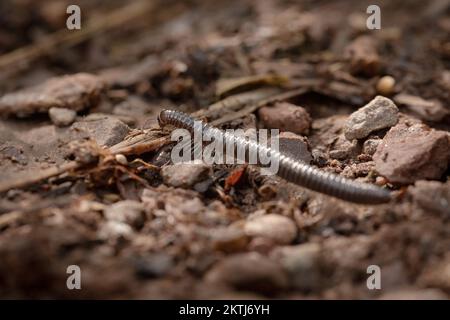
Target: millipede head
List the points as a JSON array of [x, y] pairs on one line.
[[162, 117]]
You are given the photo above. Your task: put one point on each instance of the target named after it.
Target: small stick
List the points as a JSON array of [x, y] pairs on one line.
[[139, 144]]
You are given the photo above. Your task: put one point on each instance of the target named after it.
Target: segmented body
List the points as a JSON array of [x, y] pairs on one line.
[[289, 169]]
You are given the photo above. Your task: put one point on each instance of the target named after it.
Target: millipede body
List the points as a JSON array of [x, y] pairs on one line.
[[290, 169]]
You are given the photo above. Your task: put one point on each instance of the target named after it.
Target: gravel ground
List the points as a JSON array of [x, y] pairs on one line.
[[86, 177]]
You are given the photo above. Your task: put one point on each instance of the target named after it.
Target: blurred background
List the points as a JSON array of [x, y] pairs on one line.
[[224, 38]]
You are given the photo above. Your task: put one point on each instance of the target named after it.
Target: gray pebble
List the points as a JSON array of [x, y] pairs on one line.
[[378, 114]]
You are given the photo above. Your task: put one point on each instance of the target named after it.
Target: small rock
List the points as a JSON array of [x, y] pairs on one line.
[[62, 117], [363, 56], [268, 191], [364, 157], [302, 264], [114, 230], [229, 239], [249, 271], [370, 146], [193, 206], [386, 85], [432, 196], [343, 148], [381, 181], [278, 228], [320, 157], [154, 265], [106, 131], [120, 158], [89, 205], [412, 152], [128, 211], [186, 174], [75, 92], [286, 117], [378, 114], [295, 146], [432, 110]]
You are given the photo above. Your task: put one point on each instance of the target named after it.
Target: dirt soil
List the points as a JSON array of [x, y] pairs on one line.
[[86, 177]]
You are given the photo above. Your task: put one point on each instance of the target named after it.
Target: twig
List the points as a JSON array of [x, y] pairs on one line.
[[141, 143]]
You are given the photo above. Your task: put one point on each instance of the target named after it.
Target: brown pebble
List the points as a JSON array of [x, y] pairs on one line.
[[295, 146], [412, 152], [267, 191], [229, 239], [127, 211], [286, 117], [62, 117], [249, 272], [120, 158], [105, 130], [386, 85], [276, 227], [363, 56], [186, 174], [380, 181], [370, 146], [75, 92]]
